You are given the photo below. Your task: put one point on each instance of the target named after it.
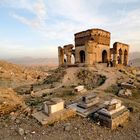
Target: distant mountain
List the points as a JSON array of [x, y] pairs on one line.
[[134, 58], [134, 55], [135, 62], [29, 61]]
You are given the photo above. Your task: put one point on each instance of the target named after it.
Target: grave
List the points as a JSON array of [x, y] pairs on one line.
[[53, 105], [79, 89], [53, 111], [87, 105], [113, 114]]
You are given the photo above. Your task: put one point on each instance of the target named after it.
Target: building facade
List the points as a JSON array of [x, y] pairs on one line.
[[93, 46]]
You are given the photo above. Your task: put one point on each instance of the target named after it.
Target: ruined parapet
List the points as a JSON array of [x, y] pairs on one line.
[[120, 52], [98, 35], [68, 50]]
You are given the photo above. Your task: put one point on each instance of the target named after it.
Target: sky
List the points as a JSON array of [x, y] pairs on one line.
[[35, 28]]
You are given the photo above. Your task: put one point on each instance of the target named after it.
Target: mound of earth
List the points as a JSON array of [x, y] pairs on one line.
[[12, 75], [9, 101]]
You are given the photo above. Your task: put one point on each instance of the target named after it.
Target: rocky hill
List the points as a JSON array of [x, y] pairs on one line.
[[60, 83], [12, 75]]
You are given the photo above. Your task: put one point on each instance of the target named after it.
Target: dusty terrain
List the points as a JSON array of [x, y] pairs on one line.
[[17, 123]]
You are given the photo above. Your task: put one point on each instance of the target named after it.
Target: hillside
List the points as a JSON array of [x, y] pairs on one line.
[[17, 105], [12, 75]]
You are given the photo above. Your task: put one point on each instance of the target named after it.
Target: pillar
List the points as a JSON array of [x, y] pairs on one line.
[[60, 56], [115, 59], [69, 58]]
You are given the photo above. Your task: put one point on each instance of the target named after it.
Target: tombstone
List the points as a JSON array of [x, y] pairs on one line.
[[79, 88], [53, 105], [88, 101], [114, 114]]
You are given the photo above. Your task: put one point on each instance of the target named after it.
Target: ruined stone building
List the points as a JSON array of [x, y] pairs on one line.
[[93, 46]]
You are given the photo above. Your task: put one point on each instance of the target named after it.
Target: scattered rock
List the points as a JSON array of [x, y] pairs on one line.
[[21, 131], [128, 86], [27, 131], [13, 118], [125, 93], [33, 132], [67, 127], [17, 121]]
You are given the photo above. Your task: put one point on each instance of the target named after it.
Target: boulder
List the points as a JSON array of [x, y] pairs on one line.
[[128, 85], [125, 93]]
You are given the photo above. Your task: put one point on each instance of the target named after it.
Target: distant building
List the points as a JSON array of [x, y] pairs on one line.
[[93, 46]]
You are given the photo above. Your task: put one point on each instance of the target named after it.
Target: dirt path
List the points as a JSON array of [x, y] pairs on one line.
[[111, 75]]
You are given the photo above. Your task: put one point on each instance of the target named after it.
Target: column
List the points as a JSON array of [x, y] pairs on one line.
[[69, 58], [60, 56]]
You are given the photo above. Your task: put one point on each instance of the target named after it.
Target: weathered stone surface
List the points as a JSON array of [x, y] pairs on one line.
[[114, 117], [57, 116], [53, 105], [79, 88], [88, 101], [125, 93], [113, 123], [67, 127], [113, 104], [128, 86], [21, 131]]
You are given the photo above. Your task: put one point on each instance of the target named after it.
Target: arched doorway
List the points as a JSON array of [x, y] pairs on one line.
[[120, 56], [65, 59], [125, 57], [82, 57], [72, 59], [104, 56]]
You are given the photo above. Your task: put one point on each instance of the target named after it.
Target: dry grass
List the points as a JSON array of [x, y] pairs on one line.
[[9, 101]]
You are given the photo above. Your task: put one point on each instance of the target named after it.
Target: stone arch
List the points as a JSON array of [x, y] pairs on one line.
[[65, 59], [72, 59], [82, 56], [104, 56], [125, 57], [120, 56]]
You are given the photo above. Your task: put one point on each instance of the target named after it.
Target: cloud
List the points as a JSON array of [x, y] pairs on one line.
[[124, 1], [58, 20], [38, 8]]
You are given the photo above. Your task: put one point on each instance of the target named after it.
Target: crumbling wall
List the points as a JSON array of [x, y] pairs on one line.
[[120, 53]]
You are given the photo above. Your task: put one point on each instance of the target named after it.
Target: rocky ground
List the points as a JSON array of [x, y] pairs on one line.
[[19, 124]]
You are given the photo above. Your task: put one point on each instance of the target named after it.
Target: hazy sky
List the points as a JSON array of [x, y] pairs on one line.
[[37, 27]]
